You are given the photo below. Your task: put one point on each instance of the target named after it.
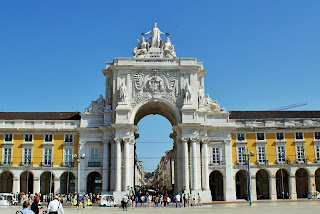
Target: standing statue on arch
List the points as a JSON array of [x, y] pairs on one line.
[[155, 39]]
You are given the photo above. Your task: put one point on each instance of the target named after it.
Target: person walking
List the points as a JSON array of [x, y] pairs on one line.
[[125, 202], [26, 208], [177, 200], [55, 206], [35, 206]]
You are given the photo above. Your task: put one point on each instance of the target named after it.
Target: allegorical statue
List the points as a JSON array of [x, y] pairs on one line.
[[142, 48], [201, 95], [168, 48], [123, 92], [97, 105], [155, 39]]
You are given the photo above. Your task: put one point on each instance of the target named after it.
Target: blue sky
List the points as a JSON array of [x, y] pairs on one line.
[[259, 54]]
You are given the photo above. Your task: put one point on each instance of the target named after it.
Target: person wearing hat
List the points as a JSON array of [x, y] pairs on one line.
[[55, 207]]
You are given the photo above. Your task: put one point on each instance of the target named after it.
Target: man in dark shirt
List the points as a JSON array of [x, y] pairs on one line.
[[35, 206]]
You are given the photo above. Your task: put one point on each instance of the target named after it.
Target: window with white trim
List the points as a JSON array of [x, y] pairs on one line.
[[215, 155], [280, 136], [28, 138], [317, 154], [27, 156], [8, 137], [7, 156], [94, 155], [300, 154], [48, 138], [317, 135], [241, 137], [241, 155], [68, 156], [47, 157], [281, 154], [68, 138], [260, 136], [261, 154], [299, 135]]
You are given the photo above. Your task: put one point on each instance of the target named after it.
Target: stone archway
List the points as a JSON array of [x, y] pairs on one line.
[[67, 183], [47, 183], [262, 184], [6, 182], [302, 178], [216, 186], [282, 184], [241, 184], [317, 179], [26, 182], [94, 183]]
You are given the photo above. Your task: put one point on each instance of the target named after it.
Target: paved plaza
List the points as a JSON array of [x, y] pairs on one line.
[[262, 207]]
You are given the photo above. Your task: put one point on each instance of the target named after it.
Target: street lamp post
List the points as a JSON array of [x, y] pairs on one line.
[[247, 155]]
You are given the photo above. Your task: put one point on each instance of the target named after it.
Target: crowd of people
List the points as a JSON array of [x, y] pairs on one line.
[[160, 200]]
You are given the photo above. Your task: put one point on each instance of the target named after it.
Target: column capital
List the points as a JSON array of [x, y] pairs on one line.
[[184, 139], [117, 140], [204, 140], [195, 139]]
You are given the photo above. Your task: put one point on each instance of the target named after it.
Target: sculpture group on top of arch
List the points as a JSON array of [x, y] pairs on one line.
[[154, 44]]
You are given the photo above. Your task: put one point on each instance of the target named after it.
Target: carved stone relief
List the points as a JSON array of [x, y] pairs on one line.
[[155, 85]]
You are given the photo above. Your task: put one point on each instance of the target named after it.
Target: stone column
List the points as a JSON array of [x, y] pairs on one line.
[[117, 176], [272, 188], [185, 159], [105, 167], [56, 183], [253, 188], [126, 161], [194, 178], [198, 169], [311, 183], [229, 185], [205, 170], [15, 184], [292, 187], [36, 185]]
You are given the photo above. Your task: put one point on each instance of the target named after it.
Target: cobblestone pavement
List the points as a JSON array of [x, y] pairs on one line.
[[296, 207]]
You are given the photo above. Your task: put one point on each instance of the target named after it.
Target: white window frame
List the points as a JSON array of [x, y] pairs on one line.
[[24, 160], [284, 158], [91, 158], [317, 153], [4, 138], [300, 157], [44, 155], [64, 153], [244, 137], [280, 139], [295, 136], [7, 162], [44, 138], [262, 160], [264, 136], [24, 138], [314, 136], [215, 157], [65, 138], [241, 158]]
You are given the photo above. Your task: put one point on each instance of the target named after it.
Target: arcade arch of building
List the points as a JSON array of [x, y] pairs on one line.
[[206, 137]]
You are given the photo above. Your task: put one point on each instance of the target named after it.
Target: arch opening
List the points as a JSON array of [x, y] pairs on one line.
[[47, 183], [67, 183], [216, 186], [282, 184], [156, 107], [94, 183], [26, 182], [302, 178], [6, 182], [241, 185], [317, 179], [262, 184]]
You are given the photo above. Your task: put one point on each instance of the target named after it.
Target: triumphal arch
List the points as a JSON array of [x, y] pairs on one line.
[[156, 81]]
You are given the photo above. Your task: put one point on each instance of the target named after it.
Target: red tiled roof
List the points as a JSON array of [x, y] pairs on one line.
[[273, 114], [40, 116]]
